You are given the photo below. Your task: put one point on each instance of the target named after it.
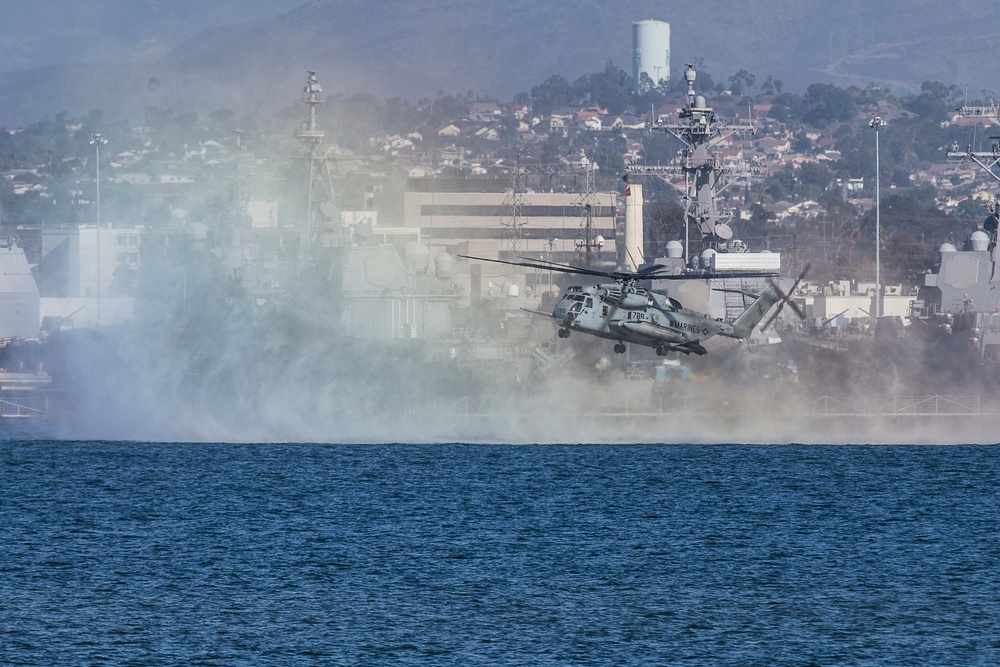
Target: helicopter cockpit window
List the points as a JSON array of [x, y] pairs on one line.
[[589, 303], [576, 307]]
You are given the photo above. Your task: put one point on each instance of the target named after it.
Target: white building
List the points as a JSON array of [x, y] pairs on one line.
[[18, 295], [651, 46], [477, 211], [85, 270]]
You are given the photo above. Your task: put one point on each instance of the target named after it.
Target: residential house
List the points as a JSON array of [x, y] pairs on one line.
[[488, 133], [449, 130], [773, 147], [557, 122], [484, 112], [588, 120], [519, 111]]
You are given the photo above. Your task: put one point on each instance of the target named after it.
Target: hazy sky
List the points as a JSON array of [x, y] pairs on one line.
[[54, 32]]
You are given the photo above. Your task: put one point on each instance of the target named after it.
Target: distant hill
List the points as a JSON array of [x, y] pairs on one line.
[[57, 32], [415, 48]]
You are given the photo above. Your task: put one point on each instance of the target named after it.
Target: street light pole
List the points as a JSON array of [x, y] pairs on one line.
[[97, 141], [876, 122]]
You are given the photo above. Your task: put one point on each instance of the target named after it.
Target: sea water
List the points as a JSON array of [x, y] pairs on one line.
[[227, 554]]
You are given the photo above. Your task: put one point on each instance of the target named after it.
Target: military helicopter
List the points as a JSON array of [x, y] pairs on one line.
[[627, 313]]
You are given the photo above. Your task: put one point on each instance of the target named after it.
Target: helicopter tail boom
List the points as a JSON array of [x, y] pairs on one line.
[[751, 317]]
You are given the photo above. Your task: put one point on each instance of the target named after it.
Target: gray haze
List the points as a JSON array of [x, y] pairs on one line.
[[102, 53], [112, 32], [235, 382]]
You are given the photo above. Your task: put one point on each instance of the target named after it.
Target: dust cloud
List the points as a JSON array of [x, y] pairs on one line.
[[292, 376], [224, 370]]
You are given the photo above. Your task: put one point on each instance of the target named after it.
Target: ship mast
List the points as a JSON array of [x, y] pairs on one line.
[[706, 176], [319, 170], [986, 160]]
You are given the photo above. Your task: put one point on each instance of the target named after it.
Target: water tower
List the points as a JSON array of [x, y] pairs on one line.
[[651, 45]]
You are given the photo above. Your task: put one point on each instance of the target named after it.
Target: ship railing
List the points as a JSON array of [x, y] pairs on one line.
[[913, 406], [937, 405], [33, 406], [823, 406], [833, 405]]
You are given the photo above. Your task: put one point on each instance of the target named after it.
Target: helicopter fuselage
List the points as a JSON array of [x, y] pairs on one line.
[[632, 314], [624, 312]]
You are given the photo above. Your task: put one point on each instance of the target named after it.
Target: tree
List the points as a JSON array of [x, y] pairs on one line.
[[448, 108], [905, 257], [786, 107], [760, 215], [611, 89], [849, 237], [553, 93], [665, 224], [771, 86], [813, 180], [825, 103], [652, 97], [933, 103], [741, 82]]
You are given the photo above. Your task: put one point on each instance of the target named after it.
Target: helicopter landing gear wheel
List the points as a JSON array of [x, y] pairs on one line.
[[619, 348], [662, 350], [564, 333]]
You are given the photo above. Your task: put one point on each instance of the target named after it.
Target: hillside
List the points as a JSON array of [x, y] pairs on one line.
[[415, 48]]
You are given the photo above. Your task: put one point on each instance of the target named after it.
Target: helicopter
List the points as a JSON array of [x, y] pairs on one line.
[[627, 313]]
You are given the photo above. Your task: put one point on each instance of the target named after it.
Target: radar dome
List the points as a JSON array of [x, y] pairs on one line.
[[442, 265], [512, 290], [947, 247], [199, 230], [979, 240], [707, 256], [699, 101], [417, 255], [674, 249]]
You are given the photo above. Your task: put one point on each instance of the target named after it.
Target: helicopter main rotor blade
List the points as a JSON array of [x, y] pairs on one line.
[[559, 268], [569, 268], [831, 319], [650, 270], [706, 276], [647, 273], [644, 272]]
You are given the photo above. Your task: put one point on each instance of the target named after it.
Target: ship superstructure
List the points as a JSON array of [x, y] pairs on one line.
[[699, 172], [703, 176], [961, 296]]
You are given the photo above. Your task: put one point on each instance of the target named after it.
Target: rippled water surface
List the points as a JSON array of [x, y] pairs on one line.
[[197, 554]]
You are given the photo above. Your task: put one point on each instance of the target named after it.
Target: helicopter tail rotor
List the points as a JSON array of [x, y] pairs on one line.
[[785, 298]]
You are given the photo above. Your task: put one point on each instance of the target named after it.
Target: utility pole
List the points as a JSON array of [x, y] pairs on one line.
[[876, 122], [97, 141]]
